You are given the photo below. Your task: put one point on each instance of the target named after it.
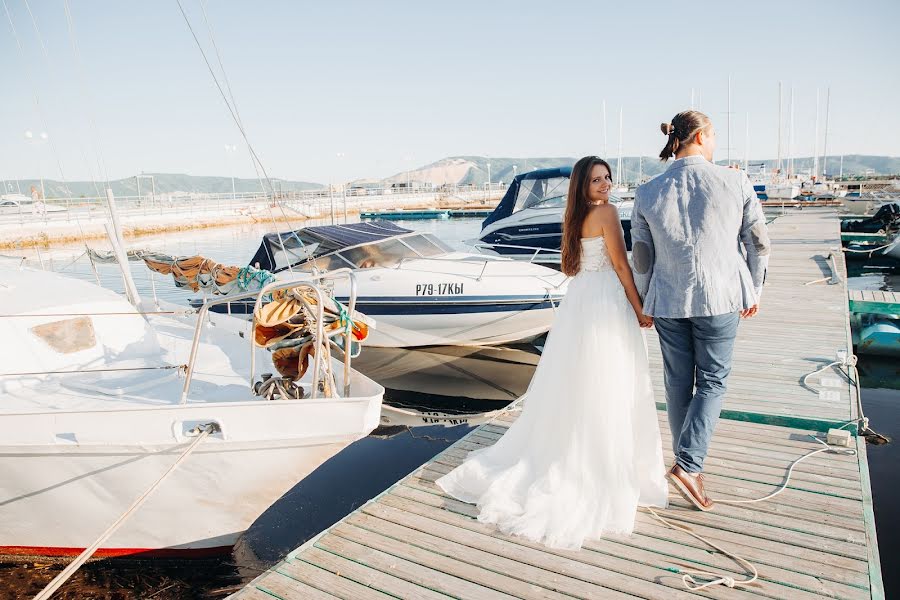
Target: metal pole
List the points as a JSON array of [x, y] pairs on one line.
[[331, 197], [728, 150], [747, 143], [344, 197], [816, 141], [825, 149], [778, 166]]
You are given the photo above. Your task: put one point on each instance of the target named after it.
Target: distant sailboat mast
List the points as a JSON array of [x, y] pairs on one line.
[[619, 177], [816, 142], [728, 142], [605, 137], [778, 165], [747, 143], [825, 149], [791, 136]]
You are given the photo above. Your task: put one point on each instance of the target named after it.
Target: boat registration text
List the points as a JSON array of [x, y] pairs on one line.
[[438, 289]]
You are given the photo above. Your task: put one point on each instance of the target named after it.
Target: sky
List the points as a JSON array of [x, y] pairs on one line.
[[340, 90]]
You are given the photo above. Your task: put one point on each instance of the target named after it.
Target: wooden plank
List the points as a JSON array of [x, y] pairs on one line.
[[605, 554], [252, 593], [441, 573], [533, 567], [287, 588], [818, 564], [799, 533], [369, 577], [325, 580], [876, 584], [784, 552]]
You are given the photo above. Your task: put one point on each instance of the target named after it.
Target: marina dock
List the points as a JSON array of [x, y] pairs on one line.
[[875, 302], [815, 540]]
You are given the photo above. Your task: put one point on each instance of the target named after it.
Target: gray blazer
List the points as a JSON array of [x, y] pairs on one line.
[[688, 228]]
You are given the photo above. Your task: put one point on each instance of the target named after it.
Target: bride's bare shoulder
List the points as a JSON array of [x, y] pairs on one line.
[[593, 222]]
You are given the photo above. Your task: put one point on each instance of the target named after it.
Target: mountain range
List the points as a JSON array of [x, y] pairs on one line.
[[454, 170], [473, 170]]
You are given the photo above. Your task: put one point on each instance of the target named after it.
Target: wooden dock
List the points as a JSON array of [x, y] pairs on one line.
[[875, 302], [815, 540]]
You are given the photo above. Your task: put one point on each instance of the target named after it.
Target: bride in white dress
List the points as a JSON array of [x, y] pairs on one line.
[[586, 450]]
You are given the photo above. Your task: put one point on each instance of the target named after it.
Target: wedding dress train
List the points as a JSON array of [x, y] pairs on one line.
[[585, 451]]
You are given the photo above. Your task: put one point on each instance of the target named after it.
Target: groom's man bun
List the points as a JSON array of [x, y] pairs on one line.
[[684, 127]]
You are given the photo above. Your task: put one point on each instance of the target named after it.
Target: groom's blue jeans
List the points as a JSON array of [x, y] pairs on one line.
[[697, 352]]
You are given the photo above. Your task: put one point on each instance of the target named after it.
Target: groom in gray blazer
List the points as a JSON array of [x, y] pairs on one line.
[[700, 253]]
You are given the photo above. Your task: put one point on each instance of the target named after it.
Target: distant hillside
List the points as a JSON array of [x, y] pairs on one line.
[[454, 170], [164, 183], [461, 170]]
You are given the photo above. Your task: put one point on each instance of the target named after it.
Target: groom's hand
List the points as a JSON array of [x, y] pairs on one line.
[[749, 312]]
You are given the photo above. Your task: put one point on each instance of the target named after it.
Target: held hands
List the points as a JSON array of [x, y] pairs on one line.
[[643, 320], [749, 312]]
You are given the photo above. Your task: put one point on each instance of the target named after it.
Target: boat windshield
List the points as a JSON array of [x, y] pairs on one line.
[[385, 253], [542, 193]]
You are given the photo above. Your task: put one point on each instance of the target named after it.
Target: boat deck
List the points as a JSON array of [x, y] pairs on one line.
[[815, 540]]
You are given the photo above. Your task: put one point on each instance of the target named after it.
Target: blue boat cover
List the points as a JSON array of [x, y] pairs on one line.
[[506, 206], [310, 243]]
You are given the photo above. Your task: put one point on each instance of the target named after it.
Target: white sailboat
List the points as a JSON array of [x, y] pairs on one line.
[[100, 398]]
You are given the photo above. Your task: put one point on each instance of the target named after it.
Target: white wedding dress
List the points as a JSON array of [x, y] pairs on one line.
[[585, 451]]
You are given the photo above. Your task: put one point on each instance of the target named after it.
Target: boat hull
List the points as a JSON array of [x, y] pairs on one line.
[[57, 497]]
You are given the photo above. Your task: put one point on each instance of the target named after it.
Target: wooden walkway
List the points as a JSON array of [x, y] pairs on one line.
[[815, 540], [875, 302]]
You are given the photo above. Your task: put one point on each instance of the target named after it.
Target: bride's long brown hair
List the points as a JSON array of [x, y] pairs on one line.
[[577, 205]]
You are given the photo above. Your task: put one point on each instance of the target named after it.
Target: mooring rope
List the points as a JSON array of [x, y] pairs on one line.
[[201, 432], [696, 580]]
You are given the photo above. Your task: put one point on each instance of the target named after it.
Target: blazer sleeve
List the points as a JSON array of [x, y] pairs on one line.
[[643, 253], [754, 235]]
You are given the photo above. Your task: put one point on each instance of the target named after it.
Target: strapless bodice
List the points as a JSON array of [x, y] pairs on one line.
[[593, 255]]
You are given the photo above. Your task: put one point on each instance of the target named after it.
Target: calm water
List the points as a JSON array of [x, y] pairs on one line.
[[443, 379]]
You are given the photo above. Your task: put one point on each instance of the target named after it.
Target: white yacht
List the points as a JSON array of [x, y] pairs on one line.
[[527, 224], [419, 290], [102, 396]]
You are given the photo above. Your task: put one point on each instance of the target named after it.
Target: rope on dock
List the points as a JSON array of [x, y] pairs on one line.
[[202, 432], [696, 580]]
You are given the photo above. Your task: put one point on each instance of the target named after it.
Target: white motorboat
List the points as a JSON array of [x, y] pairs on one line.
[[420, 291], [101, 398], [527, 224], [780, 191]]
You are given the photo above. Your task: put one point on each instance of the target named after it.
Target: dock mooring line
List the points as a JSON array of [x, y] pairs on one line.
[[202, 432], [695, 579]]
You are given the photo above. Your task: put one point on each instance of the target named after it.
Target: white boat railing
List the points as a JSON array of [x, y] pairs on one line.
[[306, 281], [479, 245]]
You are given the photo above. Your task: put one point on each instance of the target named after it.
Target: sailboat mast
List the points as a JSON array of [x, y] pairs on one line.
[[605, 140], [825, 149], [778, 165], [728, 142], [619, 177], [791, 136], [747, 143], [816, 143]]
